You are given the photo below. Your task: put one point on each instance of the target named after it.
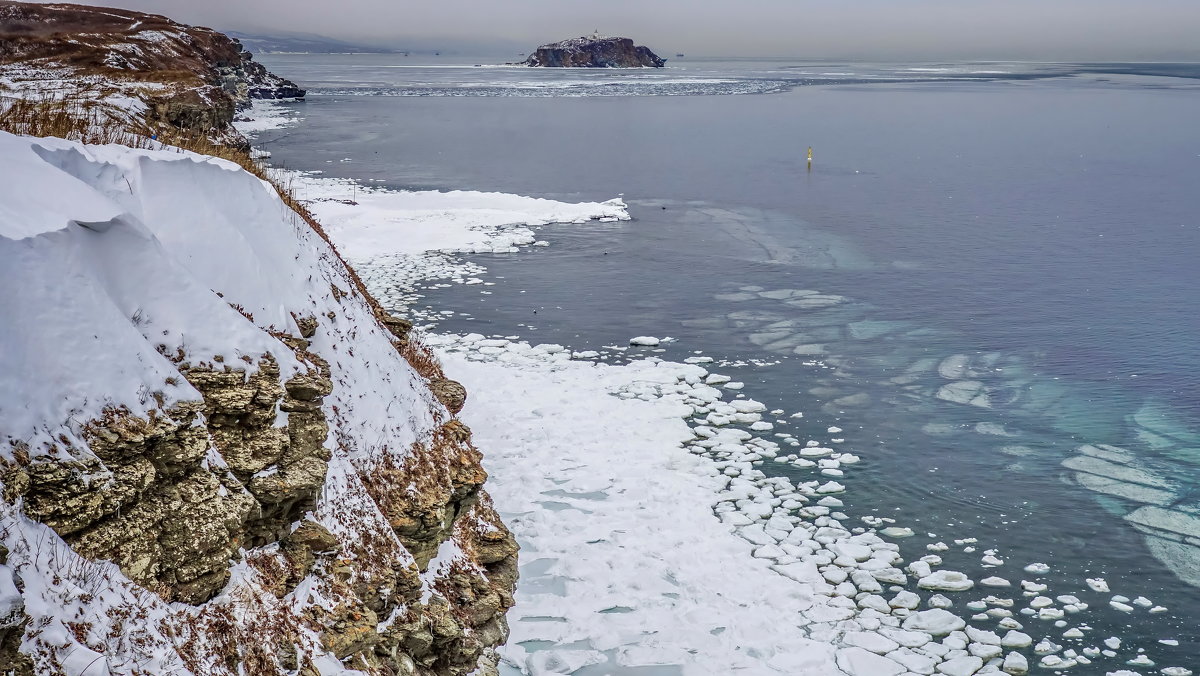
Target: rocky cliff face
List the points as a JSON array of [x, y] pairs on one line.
[[217, 454], [595, 52], [161, 72]]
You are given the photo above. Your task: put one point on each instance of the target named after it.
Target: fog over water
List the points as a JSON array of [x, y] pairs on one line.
[[1108, 30]]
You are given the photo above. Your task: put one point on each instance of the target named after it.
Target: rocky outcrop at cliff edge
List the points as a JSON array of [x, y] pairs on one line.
[[595, 52], [144, 68], [218, 456]]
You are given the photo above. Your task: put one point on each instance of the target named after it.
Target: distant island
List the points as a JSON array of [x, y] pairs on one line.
[[594, 52]]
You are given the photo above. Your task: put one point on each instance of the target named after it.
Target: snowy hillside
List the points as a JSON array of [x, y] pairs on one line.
[[141, 72], [195, 391]]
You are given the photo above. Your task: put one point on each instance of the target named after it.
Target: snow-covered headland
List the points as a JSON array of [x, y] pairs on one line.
[[141, 74]]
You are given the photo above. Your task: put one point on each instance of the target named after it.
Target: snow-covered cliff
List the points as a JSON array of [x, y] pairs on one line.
[[217, 455]]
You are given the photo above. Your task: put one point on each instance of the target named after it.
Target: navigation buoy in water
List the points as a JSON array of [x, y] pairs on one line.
[[810, 157]]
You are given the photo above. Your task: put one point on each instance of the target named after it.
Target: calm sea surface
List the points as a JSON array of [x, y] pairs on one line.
[[989, 277]]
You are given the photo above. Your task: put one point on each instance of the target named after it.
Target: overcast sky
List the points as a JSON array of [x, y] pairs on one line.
[[979, 29]]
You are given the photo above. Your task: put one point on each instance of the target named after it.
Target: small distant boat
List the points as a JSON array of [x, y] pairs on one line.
[[679, 56]]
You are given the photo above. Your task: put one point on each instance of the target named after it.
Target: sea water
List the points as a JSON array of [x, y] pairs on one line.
[[987, 277]]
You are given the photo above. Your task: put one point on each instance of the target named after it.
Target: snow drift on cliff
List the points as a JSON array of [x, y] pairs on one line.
[[115, 257], [120, 267]]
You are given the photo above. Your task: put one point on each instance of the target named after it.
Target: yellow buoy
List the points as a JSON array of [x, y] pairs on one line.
[[810, 153]]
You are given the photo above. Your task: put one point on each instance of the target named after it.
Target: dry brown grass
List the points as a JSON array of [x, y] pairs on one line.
[[85, 122]]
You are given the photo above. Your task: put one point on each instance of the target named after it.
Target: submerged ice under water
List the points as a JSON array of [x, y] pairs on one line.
[[999, 326]]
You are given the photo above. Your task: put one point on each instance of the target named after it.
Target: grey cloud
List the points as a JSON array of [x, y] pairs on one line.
[[928, 29]]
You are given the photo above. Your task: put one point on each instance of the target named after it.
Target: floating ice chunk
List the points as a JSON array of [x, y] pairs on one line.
[[982, 636], [804, 572], [939, 601], [869, 640], [1015, 639], [920, 569], [954, 367], [747, 406], [1046, 647], [859, 662], [1120, 472], [908, 639], [914, 662], [905, 599], [834, 430], [1010, 624], [1073, 632], [876, 603], [936, 621], [1016, 664], [985, 652], [1123, 607], [734, 386], [992, 561], [1176, 671], [1141, 661], [835, 575], [831, 487], [995, 582], [851, 550], [1041, 602], [1143, 602], [890, 576], [946, 580], [1098, 584], [734, 297], [1112, 642], [897, 532], [961, 666], [786, 294], [1037, 569], [645, 341], [961, 392]]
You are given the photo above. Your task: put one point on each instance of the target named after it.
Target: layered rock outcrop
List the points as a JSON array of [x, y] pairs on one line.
[[595, 52], [218, 455]]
